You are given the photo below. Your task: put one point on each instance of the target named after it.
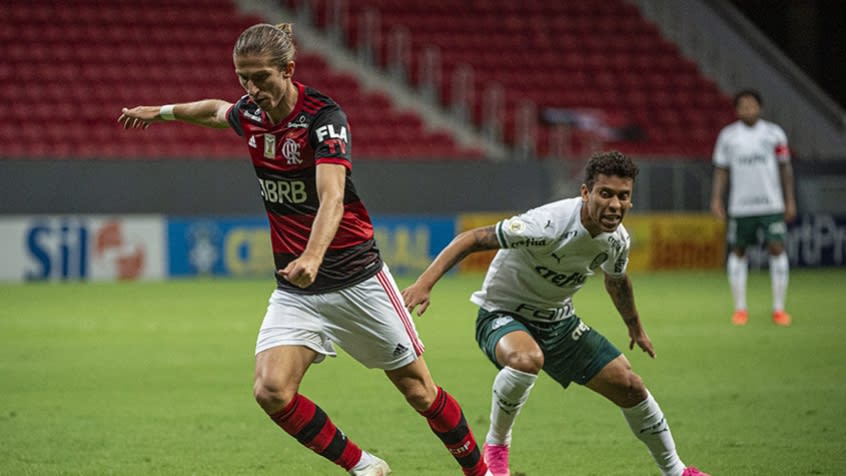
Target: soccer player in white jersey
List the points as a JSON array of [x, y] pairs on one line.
[[527, 321], [753, 155]]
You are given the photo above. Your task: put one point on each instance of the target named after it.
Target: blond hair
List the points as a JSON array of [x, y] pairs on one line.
[[273, 41]]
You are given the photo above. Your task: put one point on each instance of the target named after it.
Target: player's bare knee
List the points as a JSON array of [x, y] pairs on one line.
[[775, 248], [419, 400], [419, 396], [633, 390], [525, 361], [272, 397]]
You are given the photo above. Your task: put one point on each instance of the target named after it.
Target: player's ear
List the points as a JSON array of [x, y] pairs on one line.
[[288, 71], [583, 190]]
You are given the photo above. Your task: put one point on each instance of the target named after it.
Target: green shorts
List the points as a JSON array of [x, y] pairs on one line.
[[572, 351], [743, 231]]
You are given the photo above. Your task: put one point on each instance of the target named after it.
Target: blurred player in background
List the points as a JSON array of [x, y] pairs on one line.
[[753, 154], [527, 322], [332, 286]]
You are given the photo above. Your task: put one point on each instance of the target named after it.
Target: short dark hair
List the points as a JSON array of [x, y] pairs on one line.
[[609, 163], [747, 93]]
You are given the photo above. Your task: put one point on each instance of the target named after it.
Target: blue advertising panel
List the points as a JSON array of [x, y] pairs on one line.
[[240, 246], [409, 243], [213, 246], [813, 240]]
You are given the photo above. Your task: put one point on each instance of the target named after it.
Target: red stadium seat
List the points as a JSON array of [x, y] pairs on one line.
[[106, 54], [625, 61]]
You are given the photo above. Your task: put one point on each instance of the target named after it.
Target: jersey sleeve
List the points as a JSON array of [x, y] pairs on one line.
[[234, 117], [721, 156], [618, 259], [532, 229], [330, 137]]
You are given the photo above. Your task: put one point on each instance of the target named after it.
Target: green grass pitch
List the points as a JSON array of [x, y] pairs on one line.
[[156, 379]]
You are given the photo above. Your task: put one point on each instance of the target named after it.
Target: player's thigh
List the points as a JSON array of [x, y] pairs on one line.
[[575, 352], [742, 232], [775, 230], [504, 338], [370, 322], [280, 369]]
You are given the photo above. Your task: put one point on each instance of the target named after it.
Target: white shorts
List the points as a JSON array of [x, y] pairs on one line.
[[369, 321]]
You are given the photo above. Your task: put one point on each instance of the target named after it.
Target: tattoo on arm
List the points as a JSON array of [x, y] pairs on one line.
[[482, 239], [485, 239], [622, 294]]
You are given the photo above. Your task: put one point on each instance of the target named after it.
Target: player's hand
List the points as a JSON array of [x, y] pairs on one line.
[[301, 272], [638, 336], [139, 117], [789, 212], [416, 295]]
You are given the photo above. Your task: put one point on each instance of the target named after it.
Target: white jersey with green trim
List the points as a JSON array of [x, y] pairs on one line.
[[752, 155], [546, 256]]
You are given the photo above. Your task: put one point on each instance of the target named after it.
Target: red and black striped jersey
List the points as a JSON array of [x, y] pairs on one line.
[[285, 157]]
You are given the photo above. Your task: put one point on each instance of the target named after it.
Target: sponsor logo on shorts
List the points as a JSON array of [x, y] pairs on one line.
[[501, 321], [399, 350], [577, 333]]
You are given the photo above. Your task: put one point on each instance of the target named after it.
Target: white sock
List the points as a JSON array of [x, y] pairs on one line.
[[779, 276], [366, 458], [738, 269], [648, 424], [510, 391]]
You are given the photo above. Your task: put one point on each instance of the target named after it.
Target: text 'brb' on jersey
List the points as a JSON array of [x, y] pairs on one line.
[[285, 157]]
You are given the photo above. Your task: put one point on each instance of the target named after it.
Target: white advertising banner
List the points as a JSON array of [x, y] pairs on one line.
[[82, 247]]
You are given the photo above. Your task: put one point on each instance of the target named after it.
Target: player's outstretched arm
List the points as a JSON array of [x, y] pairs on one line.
[[478, 239], [622, 294], [208, 113]]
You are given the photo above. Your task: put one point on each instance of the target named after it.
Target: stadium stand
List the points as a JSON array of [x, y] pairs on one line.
[[598, 61], [69, 66]]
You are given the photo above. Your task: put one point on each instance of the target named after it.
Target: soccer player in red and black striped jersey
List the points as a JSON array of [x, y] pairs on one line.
[[332, 286]]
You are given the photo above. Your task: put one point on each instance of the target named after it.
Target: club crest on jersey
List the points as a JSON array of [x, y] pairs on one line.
[[329, 131], [269, 146], [291, 152], [516, 226]]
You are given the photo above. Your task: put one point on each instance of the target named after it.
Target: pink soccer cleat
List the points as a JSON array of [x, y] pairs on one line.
[[496, 457], [692, 471]]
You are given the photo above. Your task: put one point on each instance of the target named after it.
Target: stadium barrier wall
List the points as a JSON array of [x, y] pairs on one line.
[[142, 247], [82, 247]]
